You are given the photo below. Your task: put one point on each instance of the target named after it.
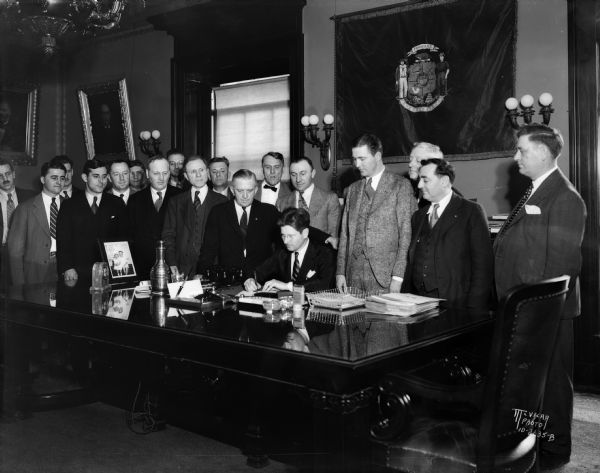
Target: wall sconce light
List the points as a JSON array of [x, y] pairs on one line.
[[310, 128], [527, 110], [150, 142]]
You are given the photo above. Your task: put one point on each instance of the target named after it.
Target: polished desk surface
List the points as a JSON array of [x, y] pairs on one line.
[[349, 342]]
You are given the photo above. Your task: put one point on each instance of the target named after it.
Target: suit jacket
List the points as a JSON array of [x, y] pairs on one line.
[[324, 210], [178, 230], [29, 243], [318, 259], [462, 253], [544, 243], [388, 226], [78, 231], [284, 191], [22, 196], [223, 242], [146, 226]]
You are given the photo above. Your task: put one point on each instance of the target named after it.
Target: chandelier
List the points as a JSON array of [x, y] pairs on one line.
[[48, 20]]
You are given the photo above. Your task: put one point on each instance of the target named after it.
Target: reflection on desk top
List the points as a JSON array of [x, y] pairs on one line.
[[351, 336]]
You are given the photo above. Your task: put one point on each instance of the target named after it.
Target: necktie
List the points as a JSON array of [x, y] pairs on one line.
[[10, 208], [517, 208], [197, 202], [122, 196], [244, 223], [296, 269], [53, 215], [302, 202], [159, 201], [66, 195], [369, 189], [434, 217], [95, 205], [267, 186]]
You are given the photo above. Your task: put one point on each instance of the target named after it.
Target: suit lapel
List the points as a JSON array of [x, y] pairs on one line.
[[449, 217], [421, 219], [188, 211], [383, 190], [316, 201], [232, 217], [354, 209], [253, 217], [39, 212], [307, 262], [541, 194]]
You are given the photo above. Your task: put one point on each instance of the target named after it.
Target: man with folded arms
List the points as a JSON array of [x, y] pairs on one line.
[[32, 236], [322, 206], [147, 209], [301, 262], [542, 239], [272, 190], [450, 253], [186, 217]]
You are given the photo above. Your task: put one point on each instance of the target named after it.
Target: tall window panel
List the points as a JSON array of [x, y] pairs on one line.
[[251, 118]]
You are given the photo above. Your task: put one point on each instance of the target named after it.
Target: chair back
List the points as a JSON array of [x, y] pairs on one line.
[[525, 333]]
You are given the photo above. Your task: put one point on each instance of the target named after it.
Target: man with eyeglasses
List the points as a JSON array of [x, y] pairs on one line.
[[185, 220]]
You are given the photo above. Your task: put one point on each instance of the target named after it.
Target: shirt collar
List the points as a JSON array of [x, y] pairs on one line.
[[442, 204], [276, 186], [238, 207], [538, 182], [4, 194], [376, 178], [118, 193], [47, 198], [203, 191], [90, 197], [154, 193]]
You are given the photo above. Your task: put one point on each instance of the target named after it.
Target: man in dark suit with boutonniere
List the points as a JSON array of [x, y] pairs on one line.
[[301, 262], [542, 239]]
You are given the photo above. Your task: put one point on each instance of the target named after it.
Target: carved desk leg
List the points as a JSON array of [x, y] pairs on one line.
[[392, 412]]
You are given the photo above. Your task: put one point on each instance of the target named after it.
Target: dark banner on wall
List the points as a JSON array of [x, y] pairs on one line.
[[436, 71]]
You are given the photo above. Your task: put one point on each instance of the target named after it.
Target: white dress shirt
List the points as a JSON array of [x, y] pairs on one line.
[[90, 198], [442, 204], [126, 193], [267, 195], [154, 194], [376, 178], [203, 191]]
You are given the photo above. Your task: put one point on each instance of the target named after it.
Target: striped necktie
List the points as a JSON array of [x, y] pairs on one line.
[[296, 269], [301, 201], [369, 189], [517, 209], [53, 216], [10, 208], [197, 202]]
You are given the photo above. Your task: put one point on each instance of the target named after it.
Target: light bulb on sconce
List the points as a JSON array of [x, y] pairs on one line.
[[527, 111], [310, 128], [150, 142]]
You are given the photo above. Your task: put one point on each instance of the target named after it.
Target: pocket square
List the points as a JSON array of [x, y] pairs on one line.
[[112, 216], [532, 210], [310, 274]]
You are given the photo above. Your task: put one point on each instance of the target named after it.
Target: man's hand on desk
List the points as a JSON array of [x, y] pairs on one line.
[[275, 285], [340, 283], [395, 285], [251, 285]]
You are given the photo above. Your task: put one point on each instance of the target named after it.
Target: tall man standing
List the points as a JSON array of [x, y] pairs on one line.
[[85, 218], [147, 209], [375, 231], [542, 239], [118, 173], [322, 206], [186, 217], [32, 236], [450, 254], [271, 190]]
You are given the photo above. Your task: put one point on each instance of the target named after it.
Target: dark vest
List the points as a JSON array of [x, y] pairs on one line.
[[423, 272]]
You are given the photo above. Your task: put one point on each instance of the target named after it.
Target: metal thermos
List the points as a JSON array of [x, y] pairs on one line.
[[160, 274]]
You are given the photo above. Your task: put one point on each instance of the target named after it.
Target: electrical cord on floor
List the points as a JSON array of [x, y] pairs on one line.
[[142, 422]]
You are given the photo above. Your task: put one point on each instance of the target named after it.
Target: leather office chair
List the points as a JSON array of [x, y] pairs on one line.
[[486, 427]]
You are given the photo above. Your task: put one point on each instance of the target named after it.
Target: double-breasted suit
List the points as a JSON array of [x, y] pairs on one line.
[[182, 234], [462, 254], [78, 230], [29, 244], [544, 241], [224, 243], [324, 209], [146, 226], [387, 230], [316, 271]]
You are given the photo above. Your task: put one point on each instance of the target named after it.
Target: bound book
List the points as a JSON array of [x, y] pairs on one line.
[[401, 304]]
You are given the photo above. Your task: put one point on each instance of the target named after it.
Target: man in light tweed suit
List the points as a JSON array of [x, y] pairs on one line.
[[375, 231]]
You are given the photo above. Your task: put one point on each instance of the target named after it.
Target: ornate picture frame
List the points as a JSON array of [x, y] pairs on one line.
[[106, 120], [19, 118]]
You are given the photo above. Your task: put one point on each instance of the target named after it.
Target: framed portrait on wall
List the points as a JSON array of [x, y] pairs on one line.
[[106, 120], [19, 124]]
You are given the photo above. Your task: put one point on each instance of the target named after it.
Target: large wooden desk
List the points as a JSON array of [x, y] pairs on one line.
[[336, 374]]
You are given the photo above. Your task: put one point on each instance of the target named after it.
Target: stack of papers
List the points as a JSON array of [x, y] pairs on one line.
[[400, 304]]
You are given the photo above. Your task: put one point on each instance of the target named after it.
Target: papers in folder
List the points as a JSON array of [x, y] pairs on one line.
[[400, 304]]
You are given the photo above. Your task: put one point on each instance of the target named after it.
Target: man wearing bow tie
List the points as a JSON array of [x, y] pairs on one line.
[[542, 239], [187, 214], [272, 190], [301, 262]]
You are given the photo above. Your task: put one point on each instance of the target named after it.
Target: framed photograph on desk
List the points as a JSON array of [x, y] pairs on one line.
[[121, 267]]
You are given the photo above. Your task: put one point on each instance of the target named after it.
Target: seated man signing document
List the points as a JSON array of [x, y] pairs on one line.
[[301, 262]]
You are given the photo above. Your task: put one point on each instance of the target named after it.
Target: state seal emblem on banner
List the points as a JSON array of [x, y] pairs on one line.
[[422, 78]]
